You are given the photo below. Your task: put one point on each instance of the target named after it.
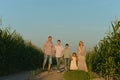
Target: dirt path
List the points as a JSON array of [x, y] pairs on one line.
[[53, 75], [17, 76]]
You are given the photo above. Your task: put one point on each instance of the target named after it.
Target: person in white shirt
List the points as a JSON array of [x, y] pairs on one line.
[[58, 54]]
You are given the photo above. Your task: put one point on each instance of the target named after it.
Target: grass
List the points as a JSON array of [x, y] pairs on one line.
[[76, 75], [79, 75]]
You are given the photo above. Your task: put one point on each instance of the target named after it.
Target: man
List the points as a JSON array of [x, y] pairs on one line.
[[58, 54], [48, 51]]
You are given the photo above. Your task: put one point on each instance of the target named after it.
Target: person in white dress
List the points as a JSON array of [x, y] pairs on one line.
[[73, 65], [81, 54]]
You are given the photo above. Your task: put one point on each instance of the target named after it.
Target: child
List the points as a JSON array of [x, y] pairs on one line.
[[67, 55], [73, 65], [58, 50]]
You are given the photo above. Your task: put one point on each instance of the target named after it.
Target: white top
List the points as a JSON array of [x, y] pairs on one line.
[[59, 50]]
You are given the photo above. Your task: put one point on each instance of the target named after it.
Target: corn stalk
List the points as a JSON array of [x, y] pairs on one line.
[[105, 59]]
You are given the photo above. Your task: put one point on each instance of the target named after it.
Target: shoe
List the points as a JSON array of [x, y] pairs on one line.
[[58, 71], [49, 70]]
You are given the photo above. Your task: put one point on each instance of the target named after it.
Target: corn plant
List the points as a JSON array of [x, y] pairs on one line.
[[16, 54], [105, 59]]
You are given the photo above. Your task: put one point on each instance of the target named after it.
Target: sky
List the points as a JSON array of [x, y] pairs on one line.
[[67, 20]]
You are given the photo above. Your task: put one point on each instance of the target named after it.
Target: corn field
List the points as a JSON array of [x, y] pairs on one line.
[[16, 54], [104, 59]]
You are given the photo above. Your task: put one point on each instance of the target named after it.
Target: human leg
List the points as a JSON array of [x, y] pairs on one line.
[[50, 62], [68, 66], [58, 63], [45, 60], [65, 61]]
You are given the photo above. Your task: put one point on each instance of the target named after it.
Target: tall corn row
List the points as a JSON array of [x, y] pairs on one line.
[[105, 58], [16, 54]]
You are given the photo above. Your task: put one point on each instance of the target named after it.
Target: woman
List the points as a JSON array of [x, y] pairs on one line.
[[81, 53]]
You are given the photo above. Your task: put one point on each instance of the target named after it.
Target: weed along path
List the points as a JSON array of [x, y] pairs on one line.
[[53, 75]]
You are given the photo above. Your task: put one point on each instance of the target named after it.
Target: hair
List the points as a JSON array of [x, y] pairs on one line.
[[66, 44], [74, 53], [80, 42], [49, 36], [58, 40]]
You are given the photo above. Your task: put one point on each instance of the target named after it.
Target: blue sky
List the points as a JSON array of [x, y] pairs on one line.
[[68, 20]]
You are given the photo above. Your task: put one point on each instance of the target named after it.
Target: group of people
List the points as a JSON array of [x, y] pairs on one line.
[[72, 61]]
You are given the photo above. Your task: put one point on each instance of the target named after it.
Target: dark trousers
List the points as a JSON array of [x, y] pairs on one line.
[[67, 64]]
